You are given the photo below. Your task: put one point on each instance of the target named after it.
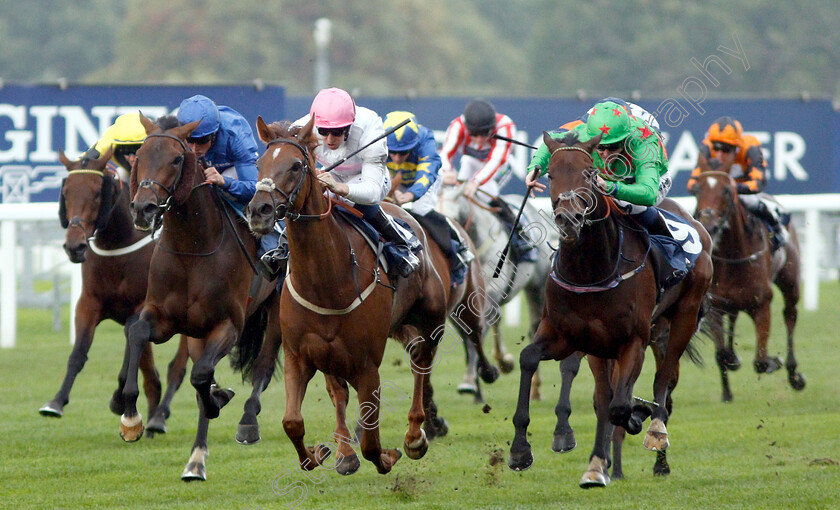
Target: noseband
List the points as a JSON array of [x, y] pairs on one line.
[[147, 183], [267, 184]]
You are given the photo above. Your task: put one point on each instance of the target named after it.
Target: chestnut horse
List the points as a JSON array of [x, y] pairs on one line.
[[338, 307], [200, 278], [601, 300], [745, 270], [93, 207]]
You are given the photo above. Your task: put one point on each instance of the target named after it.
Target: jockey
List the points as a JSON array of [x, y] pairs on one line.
[[126, 135], [225, 144], [728, 149], [484, 163], [413, 163], [630, 156], [362, 179]]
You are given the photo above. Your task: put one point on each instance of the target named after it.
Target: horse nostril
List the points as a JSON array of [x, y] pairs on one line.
[[265, 210], [149, 209]]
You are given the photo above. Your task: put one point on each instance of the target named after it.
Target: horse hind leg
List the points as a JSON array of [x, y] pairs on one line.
[[248, 430], [175, 374], [564, 437], [723, 357], [790, 292], [505, 359]]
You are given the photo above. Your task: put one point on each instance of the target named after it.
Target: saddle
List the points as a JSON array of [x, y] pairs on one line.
[[674, 256]]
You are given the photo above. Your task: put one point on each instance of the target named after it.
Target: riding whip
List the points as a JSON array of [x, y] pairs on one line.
[[360, 149], [511, 140], [502, 258]]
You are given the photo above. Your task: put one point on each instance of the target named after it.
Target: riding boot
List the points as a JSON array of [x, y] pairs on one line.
[[276, 254], [653, 222], [775, 223], [406, 242], [462, 252]]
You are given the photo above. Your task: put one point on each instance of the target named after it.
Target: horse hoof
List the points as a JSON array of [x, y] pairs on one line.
[[564, 442], [520, 461], [156, 424], [441, 426], [467, 388], [661, 467], [53, 410], [656, 438], [507, 363], [490, 374], [797, 382], [348, 465], [131, 428], [248, 434], [417, 449], [734, 363], [768, 365], [727, 397], [387, 460], [596, 475]]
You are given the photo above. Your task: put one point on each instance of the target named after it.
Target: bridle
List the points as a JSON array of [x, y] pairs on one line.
[[584, 195], [147, 183], [76, 221], [281, 208]]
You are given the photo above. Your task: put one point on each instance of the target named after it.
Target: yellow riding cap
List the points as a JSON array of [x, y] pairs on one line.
[[126, 130]]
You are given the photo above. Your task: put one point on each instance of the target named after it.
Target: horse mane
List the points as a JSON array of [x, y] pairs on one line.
[[569, 139]]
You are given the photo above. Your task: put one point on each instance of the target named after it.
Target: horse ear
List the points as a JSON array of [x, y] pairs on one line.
[[62, 208], [186, 130], [148, 124], [592, 143], [64, 159], [550, 142], [102, 160], [263, 130], [307, 134]]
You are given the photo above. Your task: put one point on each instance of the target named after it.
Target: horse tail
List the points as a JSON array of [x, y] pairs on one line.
[[706, 329], [243, 356]]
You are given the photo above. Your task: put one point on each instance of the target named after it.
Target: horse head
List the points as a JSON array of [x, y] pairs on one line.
[[165, 172], [286, 174], [88, 194], [574, 197], [454, 204], [717, 199]]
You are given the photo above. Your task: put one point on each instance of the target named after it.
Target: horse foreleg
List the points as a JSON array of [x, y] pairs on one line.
[[175, 374], [297, 377], [597, 474], [618, 435], [144, 330], [367, 389], [626, 371], [248, 431], [218, 344], [763, 363], [151, 380], [196, 468], [87, 317], [346, 460], [545, 340], [564, 436], [733, 362]]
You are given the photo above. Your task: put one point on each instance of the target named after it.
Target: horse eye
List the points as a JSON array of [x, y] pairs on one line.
[[298, 166], [178, 160]]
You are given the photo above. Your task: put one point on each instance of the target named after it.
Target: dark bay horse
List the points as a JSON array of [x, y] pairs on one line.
[[93, 207], [745, 270], [338, 307], [601, 300], [200, 277]]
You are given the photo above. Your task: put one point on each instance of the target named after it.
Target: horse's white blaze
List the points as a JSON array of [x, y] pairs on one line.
[[712, 182], [275, 153], [131, 422]]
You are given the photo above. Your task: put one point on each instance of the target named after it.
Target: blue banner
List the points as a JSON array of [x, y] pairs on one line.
[[800, 139], [37, 120]]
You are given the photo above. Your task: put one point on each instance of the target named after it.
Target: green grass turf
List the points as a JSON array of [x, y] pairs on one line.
[[770, 448]]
